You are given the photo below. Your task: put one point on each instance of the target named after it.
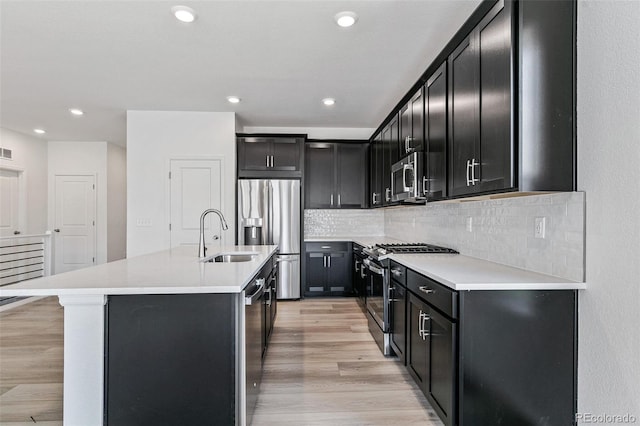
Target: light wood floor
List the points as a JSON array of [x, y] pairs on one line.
[[322, 368], [31, 364]]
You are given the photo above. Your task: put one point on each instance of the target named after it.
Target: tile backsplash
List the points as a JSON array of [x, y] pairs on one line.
[[499, 230], [502, 230], [340, 223]]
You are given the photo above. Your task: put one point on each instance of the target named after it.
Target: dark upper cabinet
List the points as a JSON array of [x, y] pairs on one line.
[[335, 175], [319, 175], [375, 170], [269, 156], [412, 125], [435, 93], [390, 155], [351, 179], [480, 112]]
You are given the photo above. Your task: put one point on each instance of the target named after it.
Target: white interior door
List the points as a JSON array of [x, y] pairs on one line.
[[9, 203], [196, 185], [74, 223]]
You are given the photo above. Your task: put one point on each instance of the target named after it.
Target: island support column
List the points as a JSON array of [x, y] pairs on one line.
[[83, 359]]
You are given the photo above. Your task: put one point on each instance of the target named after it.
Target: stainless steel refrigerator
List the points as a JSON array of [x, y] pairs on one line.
[[269, 213]]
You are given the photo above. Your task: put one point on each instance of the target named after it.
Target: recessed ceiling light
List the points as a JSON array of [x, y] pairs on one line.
[[346, 18], [184, 13], [329, 101], [39, 131], [233, 99], [76, 111]]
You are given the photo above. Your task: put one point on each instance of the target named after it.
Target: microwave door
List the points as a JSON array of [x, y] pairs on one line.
[[408, 178]]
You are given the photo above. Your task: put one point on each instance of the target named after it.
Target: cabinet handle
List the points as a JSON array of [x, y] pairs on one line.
[[373, 198], [473, 171], [387, 193], [329, 259], [363, 273], [339, 201], [325, 247], [468, 167], [396, 272], [267, 158], [331, 200], [421, 327], [424, 186], [357, 266], [426, 289]]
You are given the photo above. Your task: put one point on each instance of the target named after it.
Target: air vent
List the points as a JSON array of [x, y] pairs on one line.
[[6, 153]]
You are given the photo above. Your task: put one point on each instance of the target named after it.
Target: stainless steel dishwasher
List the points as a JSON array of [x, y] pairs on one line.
[[253, 330]]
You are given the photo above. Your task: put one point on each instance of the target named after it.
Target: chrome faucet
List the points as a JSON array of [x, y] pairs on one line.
[[202, 250]]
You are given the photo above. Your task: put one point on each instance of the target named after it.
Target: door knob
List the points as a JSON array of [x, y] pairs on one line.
[[16, 232], [216, 237], [56, 230]]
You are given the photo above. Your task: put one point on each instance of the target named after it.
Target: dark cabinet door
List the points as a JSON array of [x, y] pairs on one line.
[[463, 116], [442, 373], [417, 349], [319, 175], [316, 278], [398, 316], [412, 125], [436, 134], [391, 154], [480, 107], [495, 69], [351, 171], [286, 154], [416, 143], [339, 273], [376, 171], [254, 153]]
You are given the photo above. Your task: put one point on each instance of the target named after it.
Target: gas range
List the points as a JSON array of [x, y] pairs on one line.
[[382, 251]]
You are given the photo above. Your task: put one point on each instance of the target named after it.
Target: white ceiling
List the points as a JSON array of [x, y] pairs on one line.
[[280, 57]]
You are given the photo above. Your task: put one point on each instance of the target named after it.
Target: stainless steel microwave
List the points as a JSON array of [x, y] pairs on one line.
[[406, 179]]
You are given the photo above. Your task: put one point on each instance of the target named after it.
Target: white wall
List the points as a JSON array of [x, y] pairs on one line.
[[29, 154], [317, 132], [116, 202], [153, 138], [608, 109], [82, 158]]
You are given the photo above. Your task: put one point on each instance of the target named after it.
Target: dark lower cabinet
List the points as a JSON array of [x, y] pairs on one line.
[[170, 360], [417, 343], [328, 269], [493, 357]]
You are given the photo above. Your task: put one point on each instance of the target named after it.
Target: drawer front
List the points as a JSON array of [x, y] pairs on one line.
[[434, 293], [398, 273], [328, 246]]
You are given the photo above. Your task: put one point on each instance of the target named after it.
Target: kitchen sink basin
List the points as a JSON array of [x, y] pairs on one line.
[[230, 257]]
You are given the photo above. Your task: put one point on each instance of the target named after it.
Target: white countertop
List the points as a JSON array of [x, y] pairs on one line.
[[460, 272], [173, 271]]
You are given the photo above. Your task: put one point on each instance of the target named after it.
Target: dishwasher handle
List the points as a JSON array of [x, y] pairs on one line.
[[250, 300]]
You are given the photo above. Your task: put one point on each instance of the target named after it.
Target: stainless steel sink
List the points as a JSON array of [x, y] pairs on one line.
[[230, 257]]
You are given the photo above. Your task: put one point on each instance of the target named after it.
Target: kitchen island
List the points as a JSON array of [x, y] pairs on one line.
[[108, 310]]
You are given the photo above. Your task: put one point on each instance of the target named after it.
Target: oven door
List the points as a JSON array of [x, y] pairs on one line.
[[377, 294]]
